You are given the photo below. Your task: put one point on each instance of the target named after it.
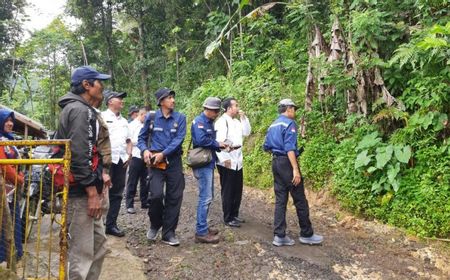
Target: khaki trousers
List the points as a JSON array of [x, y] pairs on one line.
[[87, 243]]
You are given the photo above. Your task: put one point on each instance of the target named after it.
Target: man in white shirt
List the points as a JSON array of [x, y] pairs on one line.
[[137, 170], [231, 130], [120, 155]]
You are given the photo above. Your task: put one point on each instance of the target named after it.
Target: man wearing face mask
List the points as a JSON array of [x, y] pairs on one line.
[[232, 130]]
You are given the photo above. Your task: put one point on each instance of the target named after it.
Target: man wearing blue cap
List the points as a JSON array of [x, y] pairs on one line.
[[281, 141], [78, 122], [160, 142]]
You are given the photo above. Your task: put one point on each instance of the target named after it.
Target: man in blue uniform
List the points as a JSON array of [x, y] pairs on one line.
[[160, 142], [281, 141], [203, 135]]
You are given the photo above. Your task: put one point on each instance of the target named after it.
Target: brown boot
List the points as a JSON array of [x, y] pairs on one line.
[[213, 231], [209, 239]]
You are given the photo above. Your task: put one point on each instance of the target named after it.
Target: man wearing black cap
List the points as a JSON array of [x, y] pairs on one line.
[[133, 113], [120, 154], [204, 135], [160, 142], [78, 122], [281, 141]]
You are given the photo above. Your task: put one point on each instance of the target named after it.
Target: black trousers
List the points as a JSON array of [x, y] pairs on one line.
[[231, 182], [165, 206], [282, 174], [117, 173], [137, 172]]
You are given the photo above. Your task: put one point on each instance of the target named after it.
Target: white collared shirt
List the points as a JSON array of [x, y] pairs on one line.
[[233, 130], [118, 135], [134, 128]]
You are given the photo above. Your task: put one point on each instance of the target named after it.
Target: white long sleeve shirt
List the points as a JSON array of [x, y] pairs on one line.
[[134, 128], [233, 130], [118, 135]]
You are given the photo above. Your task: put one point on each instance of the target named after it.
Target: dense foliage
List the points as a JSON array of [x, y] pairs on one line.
[[375, 126]]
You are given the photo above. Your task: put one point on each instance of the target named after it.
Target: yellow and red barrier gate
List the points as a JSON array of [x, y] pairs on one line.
[[33, 212]]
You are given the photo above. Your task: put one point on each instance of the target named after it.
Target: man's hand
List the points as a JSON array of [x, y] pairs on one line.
[[227, 163], [297, 178], [242, 115], [159, 157], [106, 180], [147, 156], [94, 203], [223, 145]]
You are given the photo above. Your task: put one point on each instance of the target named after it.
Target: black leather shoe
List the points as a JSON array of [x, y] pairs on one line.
[[233, 223], [240, 220], [115, 231], [145, 206]]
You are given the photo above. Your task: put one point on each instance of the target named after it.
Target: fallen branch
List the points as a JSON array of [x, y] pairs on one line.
[[437, 239]]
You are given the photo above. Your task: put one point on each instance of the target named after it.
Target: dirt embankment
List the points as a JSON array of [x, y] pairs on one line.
[[353, 248]]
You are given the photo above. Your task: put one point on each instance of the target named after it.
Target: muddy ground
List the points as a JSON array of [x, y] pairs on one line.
[[353, 248]]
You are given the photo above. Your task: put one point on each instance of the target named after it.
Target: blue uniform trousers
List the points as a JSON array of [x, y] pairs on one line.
[[165, 206], [282, 174]]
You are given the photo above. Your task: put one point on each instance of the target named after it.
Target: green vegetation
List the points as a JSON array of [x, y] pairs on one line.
[[373, 76]]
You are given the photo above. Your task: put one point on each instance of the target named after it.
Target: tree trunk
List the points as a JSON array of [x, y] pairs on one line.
[[142, 57], [107, 33], [231, 46], [241, 34], [177, 60]]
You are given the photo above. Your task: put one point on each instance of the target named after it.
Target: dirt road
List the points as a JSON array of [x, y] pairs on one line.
[[353, 248]]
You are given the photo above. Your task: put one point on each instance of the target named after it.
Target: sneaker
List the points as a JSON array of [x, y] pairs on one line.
[[172, 241], [312, 240], [239, 219], [233, 223], [152, 233], [283, 241], [131, 211], [208, 239]]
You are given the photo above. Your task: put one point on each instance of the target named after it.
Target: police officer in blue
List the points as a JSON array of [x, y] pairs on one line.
[[160, 142], [281, 141]]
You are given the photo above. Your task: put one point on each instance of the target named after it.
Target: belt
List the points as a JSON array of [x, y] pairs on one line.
[[279, 156]]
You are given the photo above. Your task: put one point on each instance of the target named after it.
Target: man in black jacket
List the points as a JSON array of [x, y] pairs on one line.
[[78, 122]]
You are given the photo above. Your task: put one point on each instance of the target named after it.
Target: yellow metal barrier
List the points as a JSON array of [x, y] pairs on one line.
[[18, 200]]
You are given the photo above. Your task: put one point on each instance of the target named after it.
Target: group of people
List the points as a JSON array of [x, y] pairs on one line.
[[104, 145]]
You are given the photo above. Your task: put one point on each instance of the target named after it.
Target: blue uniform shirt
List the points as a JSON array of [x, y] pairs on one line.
[[204, 135], [167, 136], [281, 137]]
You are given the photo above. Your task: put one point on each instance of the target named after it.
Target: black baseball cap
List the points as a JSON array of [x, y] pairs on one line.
[[133, 109], [112, 94]]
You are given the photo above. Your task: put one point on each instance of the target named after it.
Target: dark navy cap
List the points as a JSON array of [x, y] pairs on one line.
[[112, 94], [162, 93], [86, 73], [133, 109]]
